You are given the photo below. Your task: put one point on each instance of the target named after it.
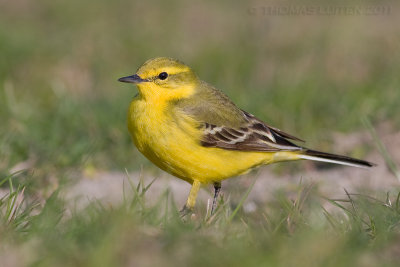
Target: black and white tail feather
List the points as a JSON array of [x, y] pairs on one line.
[[333, 158], [258, 136]]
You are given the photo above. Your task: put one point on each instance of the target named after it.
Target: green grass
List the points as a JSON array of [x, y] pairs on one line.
[[63, 114], [362, 230]]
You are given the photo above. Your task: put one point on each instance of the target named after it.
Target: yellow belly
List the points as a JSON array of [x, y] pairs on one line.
[[172, 142]]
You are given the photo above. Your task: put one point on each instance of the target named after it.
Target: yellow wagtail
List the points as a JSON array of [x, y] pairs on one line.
[[193, 131]]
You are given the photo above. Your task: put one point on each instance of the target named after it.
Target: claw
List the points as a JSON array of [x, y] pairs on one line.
[[186, 212]]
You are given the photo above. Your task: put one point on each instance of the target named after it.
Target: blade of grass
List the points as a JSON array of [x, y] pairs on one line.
[[382, 149], [242, 201]]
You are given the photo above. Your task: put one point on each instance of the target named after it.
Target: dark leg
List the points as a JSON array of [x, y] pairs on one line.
[[217, 188]]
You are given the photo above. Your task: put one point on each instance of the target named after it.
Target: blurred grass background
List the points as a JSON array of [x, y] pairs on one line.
[[63, 112]]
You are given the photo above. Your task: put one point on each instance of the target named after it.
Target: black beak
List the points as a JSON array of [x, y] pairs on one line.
[[132, 79]]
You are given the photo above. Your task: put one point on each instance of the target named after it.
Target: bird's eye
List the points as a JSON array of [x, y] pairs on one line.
[[163, 75]]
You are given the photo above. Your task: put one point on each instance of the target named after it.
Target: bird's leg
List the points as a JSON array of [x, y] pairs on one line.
[[217, 188], [191, 201]]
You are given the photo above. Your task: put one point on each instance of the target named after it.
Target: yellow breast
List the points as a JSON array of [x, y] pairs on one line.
[[172, 142]]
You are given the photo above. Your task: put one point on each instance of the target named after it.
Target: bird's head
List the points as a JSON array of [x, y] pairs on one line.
[[163, 77]]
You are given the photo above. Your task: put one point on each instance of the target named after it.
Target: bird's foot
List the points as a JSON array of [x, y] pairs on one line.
[[186, 212]]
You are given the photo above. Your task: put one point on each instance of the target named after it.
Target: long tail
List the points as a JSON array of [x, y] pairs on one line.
[[332, 158]]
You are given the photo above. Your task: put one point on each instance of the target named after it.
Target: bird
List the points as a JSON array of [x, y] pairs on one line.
[[192, 130]]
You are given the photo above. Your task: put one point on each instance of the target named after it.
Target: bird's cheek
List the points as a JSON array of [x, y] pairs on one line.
[[151, 91]]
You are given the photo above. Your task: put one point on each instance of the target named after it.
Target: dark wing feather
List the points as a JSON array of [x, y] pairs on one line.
[[254, 135]]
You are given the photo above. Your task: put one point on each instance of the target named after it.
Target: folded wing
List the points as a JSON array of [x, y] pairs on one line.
[[253, 135]]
